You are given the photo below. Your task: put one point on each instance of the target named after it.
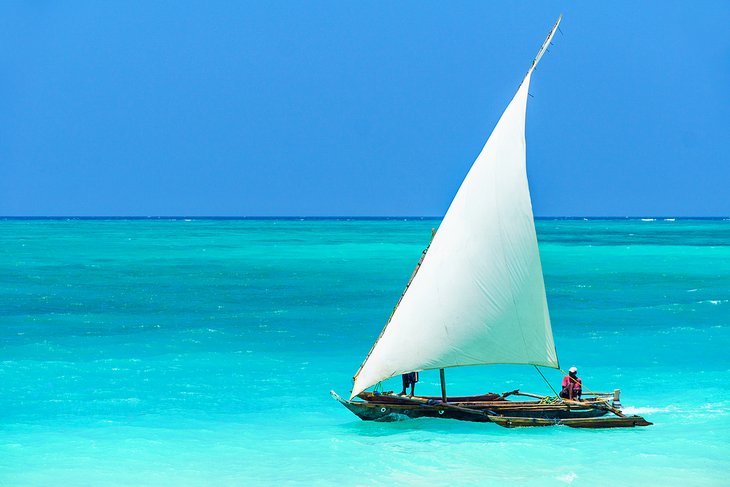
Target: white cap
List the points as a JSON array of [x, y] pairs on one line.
[[573, 370]]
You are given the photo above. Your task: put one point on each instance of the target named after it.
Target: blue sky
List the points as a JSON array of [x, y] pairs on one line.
[[358, 108]]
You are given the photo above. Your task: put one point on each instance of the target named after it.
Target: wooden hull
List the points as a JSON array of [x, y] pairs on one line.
[[394, 408]]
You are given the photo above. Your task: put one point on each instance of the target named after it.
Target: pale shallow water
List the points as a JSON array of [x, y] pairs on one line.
[[193, 352]]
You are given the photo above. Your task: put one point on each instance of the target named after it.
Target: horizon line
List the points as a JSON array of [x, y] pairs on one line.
[[336, 217]]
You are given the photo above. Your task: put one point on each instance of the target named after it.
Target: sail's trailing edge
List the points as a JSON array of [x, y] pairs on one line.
[[479, 295]]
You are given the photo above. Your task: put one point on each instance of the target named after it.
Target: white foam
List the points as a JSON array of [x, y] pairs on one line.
[[648, 219], [713, 301], [670, 219], [633, 410], [568, 478]]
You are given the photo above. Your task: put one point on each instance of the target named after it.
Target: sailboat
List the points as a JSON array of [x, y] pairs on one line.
[[477, 297]]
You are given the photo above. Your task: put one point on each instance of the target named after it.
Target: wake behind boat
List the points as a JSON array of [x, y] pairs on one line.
[[477, 297]]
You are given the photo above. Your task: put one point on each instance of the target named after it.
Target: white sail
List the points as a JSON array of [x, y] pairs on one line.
[[479, 295]]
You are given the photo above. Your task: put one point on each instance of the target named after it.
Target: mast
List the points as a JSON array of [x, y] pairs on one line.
[[443, 384]]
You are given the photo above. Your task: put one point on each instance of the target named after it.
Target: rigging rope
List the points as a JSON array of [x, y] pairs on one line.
[[546, 381], [572, 379]]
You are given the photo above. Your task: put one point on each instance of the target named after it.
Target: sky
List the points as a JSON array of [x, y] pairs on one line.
[[358, 108]]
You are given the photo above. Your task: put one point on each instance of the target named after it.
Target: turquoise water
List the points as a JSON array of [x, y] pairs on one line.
[[174, 352]]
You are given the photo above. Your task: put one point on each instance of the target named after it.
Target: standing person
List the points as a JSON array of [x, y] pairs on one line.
[[572, 385], [409, 379]]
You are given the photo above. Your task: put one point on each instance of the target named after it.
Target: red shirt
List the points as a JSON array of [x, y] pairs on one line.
[[577, 383]]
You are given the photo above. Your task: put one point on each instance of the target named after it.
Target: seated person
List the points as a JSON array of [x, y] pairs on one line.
[[572, 385]]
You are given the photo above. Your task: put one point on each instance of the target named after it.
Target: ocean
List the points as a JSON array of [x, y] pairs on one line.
[[202, 352]]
